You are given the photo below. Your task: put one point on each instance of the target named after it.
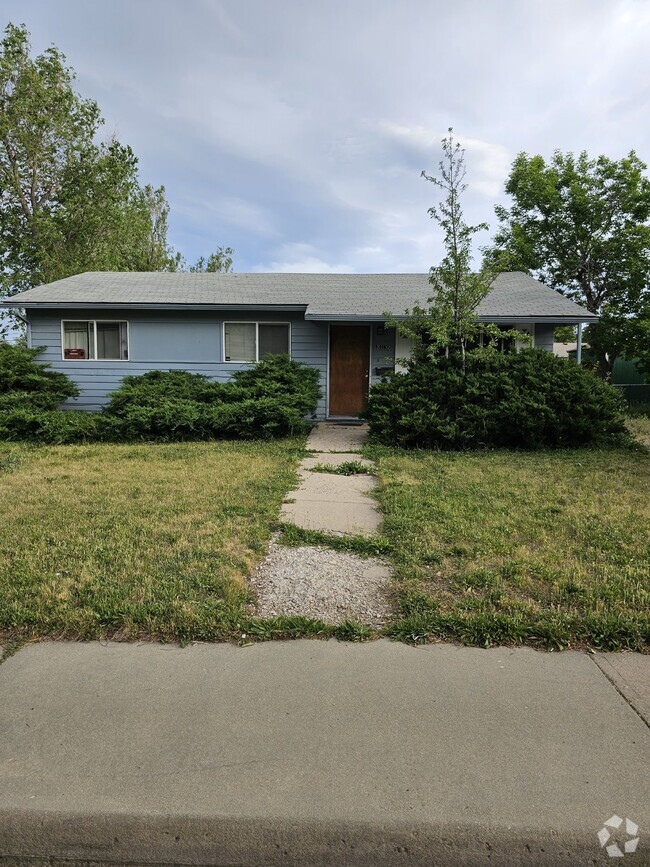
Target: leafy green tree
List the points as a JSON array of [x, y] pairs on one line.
[[449, 320], [218, 262], [582, 226], [67, 204], [636, 338]]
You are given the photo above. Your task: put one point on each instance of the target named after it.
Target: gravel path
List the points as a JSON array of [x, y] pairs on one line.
[[323, 583]]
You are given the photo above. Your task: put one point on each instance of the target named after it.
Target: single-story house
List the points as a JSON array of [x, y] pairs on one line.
[[99, 327]]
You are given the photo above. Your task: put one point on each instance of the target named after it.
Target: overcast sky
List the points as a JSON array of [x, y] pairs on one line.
[[295, 131]]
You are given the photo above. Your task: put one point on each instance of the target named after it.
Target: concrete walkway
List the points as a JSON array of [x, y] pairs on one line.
[[331, 503], [316, 753], [317, 581]]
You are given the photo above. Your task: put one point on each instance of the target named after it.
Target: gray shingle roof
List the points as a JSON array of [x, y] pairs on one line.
[[514, 295]]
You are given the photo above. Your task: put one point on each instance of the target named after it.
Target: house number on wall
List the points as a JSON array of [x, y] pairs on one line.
[[383, 347]]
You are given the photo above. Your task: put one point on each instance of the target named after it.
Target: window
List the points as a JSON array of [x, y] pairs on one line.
[[95, 340], [252, 341]]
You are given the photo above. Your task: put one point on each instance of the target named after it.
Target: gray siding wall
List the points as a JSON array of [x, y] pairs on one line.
[[544, 336], [182, 340]]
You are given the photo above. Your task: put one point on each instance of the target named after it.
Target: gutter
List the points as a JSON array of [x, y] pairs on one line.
[[568, 319], [9, 303]]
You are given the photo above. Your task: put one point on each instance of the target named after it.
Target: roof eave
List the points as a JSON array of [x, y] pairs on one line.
[[168, 305]]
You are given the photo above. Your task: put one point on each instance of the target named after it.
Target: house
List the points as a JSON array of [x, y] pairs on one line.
[[100, 327]]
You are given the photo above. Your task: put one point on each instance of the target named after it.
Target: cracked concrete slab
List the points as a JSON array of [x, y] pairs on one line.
[[630, 674], [328, 502]]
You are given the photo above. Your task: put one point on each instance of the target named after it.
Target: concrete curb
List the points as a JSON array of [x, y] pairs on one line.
[[32, 839]]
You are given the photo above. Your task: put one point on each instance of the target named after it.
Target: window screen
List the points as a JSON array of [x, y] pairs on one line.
[[111, 340], [273, 339]]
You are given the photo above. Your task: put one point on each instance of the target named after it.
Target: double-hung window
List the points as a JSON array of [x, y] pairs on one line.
[[89, 340], [252, 341]]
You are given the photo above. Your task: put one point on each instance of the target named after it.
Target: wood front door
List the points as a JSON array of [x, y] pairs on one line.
[[349, 369]]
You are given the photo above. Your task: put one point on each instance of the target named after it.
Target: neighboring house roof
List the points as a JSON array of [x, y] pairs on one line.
[[514, 295]]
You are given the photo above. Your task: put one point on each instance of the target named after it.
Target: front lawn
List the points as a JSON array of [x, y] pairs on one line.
[[550, 548], [135, 540], [157, 541]]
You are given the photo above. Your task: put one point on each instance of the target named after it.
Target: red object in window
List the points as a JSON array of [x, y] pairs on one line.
[[74, 353]]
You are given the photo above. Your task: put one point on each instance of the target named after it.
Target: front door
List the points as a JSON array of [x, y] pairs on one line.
[[349, 369]]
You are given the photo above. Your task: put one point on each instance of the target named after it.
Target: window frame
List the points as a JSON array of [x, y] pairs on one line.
[[256, 323], [94, 324]]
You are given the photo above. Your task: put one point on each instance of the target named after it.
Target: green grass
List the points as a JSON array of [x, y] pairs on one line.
[[365, 546], [550, 548], [135, 540]]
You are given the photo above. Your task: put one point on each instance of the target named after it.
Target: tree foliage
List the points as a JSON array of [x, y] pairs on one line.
[[449, 320], [68, 203], [582, 226], [218, 262]]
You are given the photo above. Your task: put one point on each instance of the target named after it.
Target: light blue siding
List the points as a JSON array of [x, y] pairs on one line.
[[179, 340], [162, 342], [187, 340]]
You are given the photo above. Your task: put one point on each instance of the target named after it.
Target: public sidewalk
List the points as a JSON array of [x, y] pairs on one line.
[[318, 753]]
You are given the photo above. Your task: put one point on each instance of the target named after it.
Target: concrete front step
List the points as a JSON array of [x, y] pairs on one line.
[[337, 438]]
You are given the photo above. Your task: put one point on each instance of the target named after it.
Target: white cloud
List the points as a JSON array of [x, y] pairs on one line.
[[302, 259], [296, 132]]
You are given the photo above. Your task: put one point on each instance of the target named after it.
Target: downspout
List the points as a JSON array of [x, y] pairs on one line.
[[28, 332], [579, 346]]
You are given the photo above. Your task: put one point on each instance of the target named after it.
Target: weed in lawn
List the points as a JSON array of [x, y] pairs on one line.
[[10, 461], [351, 630], [285, 626], [347, 468]]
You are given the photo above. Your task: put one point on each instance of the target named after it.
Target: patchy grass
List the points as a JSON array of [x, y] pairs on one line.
[[365, 546], [639, 426], [551, 548], [137, 541]]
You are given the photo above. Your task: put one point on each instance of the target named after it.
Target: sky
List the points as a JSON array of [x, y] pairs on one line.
[[295, 131]]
